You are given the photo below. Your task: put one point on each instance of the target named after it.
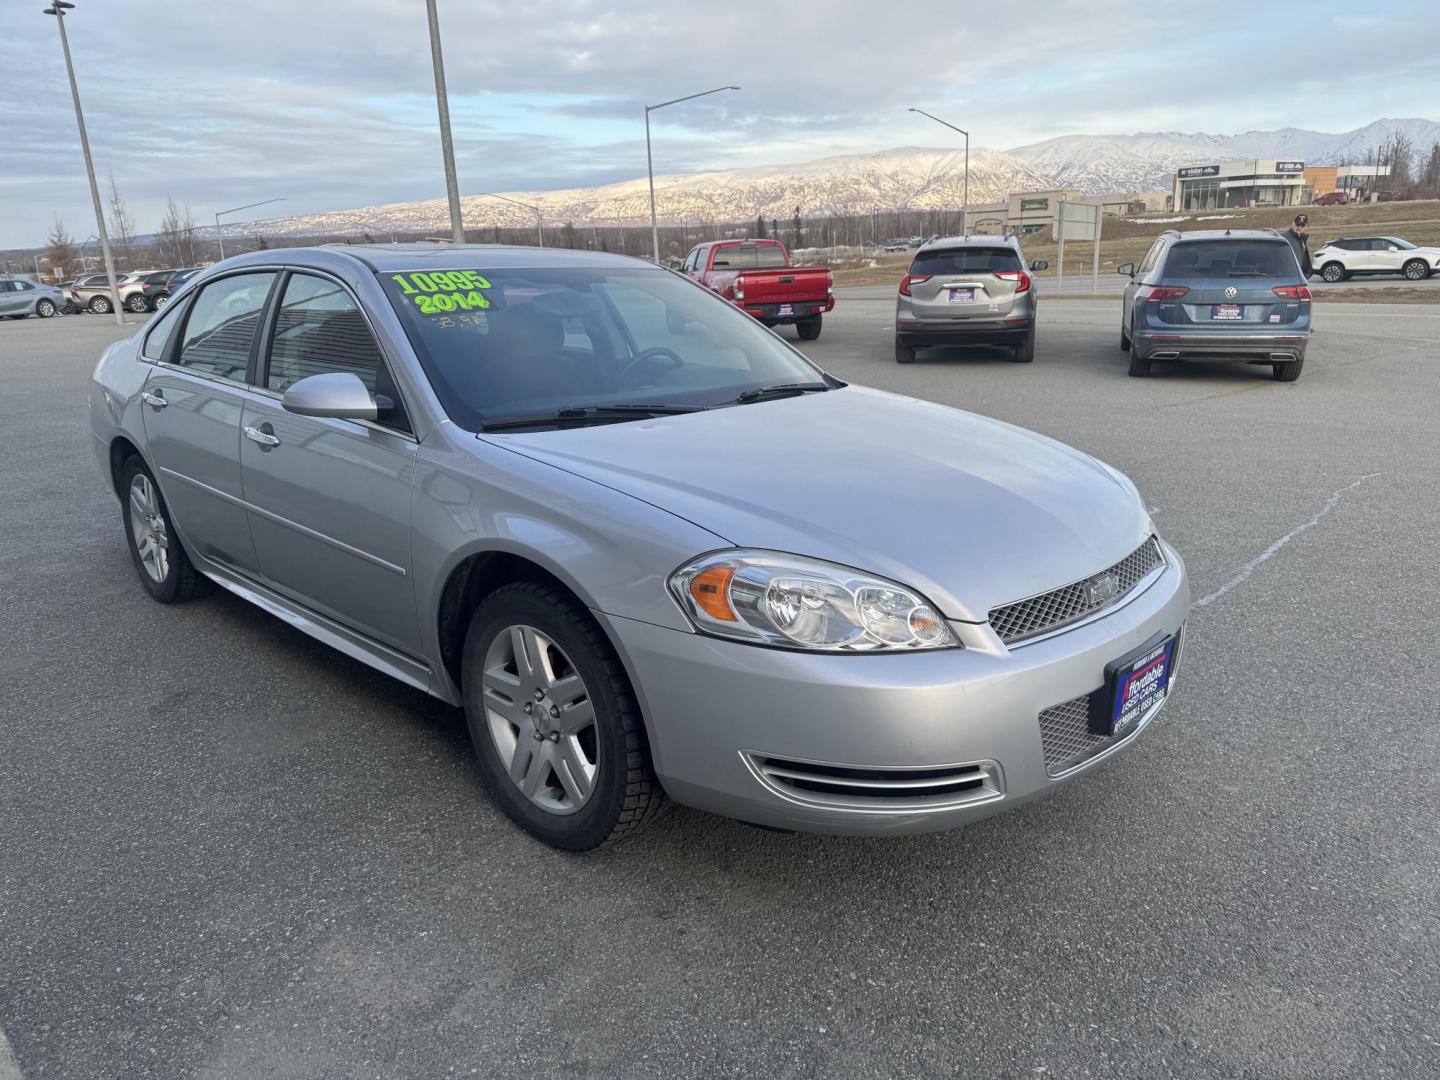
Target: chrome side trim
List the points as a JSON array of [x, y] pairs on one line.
[[279, 520], [410, 671]]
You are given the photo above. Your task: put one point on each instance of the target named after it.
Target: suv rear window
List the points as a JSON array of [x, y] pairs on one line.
[[965, 261], [1230, 259]]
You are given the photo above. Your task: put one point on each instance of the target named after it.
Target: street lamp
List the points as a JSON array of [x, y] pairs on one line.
[[965, 212], [58, 9], [539, 228], [442, 106], [650, 163], [220, 236]]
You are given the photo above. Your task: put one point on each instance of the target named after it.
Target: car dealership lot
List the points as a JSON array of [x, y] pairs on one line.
[[231, 852]]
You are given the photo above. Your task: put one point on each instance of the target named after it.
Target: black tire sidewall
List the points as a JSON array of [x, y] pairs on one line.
[[168, 590], [564, 623]]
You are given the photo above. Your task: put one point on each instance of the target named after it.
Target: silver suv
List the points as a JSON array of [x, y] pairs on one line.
[[972, 290]]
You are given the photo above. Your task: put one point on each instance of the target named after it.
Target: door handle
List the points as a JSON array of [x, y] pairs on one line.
[[157, 400], [264, 438]]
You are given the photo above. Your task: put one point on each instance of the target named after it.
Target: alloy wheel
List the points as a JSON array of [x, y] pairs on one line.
[[147, 526], [541, 719]]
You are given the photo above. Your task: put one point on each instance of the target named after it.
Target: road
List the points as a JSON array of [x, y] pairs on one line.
[[229, 852]]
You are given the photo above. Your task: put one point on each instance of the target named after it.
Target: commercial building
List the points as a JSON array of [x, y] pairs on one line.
[[1226, 184], [1361, 181]]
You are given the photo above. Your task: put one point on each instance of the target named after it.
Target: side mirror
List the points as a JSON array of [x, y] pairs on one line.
[[338, 394], [1128, 269], [1039, 264]]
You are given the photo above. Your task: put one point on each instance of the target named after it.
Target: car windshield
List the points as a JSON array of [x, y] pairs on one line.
[[1198, 259], [966, 261], [748, 257], [498, 345], [1403, 245]]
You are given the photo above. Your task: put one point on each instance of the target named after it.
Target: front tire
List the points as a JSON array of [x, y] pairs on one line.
[[809, 329], [160, 560], [554, 721], [904, 352], [100, 305], [1333, 272], [1416, 270], [46, 309]]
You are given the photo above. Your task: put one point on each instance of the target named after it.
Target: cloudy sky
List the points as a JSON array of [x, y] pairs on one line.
[[330, 103]]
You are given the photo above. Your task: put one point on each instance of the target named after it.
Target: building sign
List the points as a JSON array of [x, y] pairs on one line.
[[1199, 170], [1290, 166], [1034, 204]]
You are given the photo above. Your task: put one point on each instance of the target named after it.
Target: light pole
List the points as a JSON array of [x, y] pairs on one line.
[[58, 9], [650, 161], [539, 228], [442, 105], [220, 236], [965, 211]]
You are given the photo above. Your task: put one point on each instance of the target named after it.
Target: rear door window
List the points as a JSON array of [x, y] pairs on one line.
[[1202, 259], [976, 260]]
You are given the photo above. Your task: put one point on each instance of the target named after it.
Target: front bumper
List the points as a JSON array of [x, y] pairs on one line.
[[720, 714]]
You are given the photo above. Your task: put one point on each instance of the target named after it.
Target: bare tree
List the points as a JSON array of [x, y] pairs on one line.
[[59, 248], [176, 241], [1400, 155], [122, 225], [1430, 172]]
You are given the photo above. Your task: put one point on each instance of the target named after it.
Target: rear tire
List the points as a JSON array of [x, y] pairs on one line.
[[1124, 340], [1416, 270], [161, 300], [809, 329], [160, 560], [100, 305], [904, 352], [1025, 351], [1333, 272], [46, 309], [137, 304], [528, 642], [1287, 370]]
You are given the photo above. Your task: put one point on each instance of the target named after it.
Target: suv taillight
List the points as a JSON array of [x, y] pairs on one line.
[[1292, 292], [1015, 275], [911, 279], [1165, 292]]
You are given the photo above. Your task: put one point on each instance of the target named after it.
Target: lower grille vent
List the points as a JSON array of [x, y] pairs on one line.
[[878, 788]]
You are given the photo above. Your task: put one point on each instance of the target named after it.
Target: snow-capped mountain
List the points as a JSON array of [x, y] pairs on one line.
[[913, 178], [1147, 160]]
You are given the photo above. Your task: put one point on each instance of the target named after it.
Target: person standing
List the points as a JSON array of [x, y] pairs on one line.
[[1296, 235]]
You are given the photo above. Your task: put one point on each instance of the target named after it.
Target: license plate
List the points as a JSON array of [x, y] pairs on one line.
[[962, 296], [1133, 684], [786, 309], [1227, 311]]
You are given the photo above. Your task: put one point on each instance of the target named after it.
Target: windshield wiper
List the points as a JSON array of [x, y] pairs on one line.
[[780, 390], [588, 414]]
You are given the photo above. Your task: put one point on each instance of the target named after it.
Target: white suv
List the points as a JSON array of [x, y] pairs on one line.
[[1340, 259]]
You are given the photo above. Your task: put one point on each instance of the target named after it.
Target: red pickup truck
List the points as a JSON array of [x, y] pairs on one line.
[[756, 276]]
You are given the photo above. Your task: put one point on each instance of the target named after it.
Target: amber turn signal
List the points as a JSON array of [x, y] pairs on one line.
[[710, 589]]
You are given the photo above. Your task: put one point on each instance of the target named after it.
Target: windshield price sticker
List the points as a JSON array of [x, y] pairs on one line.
[[436, 292]]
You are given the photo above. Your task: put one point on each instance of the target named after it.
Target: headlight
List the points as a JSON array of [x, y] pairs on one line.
[[776, 599]]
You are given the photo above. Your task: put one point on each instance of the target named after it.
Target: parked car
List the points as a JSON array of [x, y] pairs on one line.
[[156, 287], [20, 298], [1211, 295], [92, 292], [758, 277], [601, 510], [1333, 198], [973, 290], [180, 278], [1340, 259], [68, 306]]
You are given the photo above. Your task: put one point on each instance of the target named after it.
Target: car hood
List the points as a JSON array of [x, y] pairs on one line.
[[971, 511]]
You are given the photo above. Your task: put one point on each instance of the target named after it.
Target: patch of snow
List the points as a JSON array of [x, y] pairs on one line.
[[1217, 217], [1156, 220]]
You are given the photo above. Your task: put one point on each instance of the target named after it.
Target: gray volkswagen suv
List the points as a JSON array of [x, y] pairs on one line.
[[1214, 296], [967, 290], [648, 546]]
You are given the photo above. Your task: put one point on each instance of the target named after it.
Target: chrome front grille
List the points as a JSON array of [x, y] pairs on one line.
[[1048, 611], [862, 788], [1066, 735]]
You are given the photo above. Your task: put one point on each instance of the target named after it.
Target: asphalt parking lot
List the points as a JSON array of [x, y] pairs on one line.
[[227, 851]]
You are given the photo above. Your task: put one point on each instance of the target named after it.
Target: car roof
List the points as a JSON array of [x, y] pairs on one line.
[[391, 257], [1225, 234], [958, 243]]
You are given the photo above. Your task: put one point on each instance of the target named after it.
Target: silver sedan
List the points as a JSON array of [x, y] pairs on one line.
[[649, 547]]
